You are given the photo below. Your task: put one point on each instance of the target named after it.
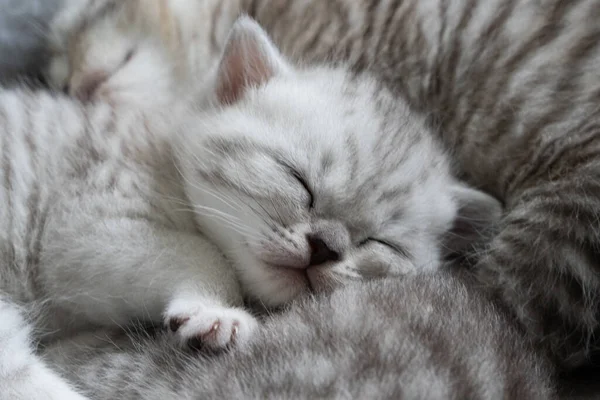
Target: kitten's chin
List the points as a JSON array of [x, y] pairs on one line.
[[274, 286]]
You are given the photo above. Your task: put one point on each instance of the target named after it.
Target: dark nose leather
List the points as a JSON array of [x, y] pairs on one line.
[[320, 252]]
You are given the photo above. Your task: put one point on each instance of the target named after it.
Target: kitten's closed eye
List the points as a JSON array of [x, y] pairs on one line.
[[395, 248], [302, 180], [129, 56]]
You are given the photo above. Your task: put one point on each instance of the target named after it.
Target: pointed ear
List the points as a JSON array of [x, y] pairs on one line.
[[250, 60], [478, 213]]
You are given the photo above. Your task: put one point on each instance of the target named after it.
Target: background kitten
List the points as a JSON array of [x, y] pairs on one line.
[[419, 337], [135, 51]]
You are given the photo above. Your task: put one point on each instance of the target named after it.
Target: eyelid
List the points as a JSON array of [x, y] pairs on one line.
[[129, 55], [401, 251], [304, 184]]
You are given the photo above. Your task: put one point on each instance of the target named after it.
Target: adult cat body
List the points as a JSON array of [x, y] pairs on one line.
[[430, 337]]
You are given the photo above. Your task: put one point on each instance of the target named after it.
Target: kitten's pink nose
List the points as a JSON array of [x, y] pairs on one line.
[[88, 85], [320, 252]]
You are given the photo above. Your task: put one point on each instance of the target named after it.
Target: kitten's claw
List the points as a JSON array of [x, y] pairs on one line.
[[214, 326], [234, 332], [175, 323]]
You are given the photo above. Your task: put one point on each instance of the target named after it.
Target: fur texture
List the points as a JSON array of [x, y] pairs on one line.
[[95, 235], [261, 224], [421, 337], [22, 375]]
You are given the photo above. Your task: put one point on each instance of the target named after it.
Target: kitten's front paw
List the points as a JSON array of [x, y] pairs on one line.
[[215, 326]]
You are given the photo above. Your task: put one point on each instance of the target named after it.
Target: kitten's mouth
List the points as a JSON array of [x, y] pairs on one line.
[[315, 280], [293, 274], [309, 283]]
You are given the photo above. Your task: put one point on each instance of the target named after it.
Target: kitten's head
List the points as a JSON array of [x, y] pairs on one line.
[[115, 50], [308, 178]]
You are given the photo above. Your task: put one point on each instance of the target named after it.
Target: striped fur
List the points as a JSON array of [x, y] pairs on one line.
[[94, 235]]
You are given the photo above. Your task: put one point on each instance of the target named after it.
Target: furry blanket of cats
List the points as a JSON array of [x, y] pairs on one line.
[[22, 28]]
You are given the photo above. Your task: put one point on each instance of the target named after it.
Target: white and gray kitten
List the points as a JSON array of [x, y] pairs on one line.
[[304, 178], [147, 53], [419, 337]]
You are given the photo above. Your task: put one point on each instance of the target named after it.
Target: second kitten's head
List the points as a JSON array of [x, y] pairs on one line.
[[130, 51], [308, 178], [102, 49]]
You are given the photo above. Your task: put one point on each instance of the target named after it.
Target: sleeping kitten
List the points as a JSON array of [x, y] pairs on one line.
[[304, 178], [420, 337]]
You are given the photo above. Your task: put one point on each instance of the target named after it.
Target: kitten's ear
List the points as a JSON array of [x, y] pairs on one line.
[[250, 59], [478, 213]]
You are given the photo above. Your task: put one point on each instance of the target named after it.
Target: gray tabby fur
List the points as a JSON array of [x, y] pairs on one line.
[[421, 337]]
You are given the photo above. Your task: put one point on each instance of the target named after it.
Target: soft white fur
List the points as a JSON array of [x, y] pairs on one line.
[[96, 190], [23, 376]]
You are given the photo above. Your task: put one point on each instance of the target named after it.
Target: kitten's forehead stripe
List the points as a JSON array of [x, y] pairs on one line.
[[327, 161], [352, 155], [392, 195]]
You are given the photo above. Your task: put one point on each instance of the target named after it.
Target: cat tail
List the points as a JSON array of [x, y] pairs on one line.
[[23, 375]]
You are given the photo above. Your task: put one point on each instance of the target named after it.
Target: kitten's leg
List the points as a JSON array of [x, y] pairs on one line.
[[24, 376], [545, 263], [118, 271]]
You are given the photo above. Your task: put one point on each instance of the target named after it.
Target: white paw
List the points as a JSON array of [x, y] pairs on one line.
[[215, 326]]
